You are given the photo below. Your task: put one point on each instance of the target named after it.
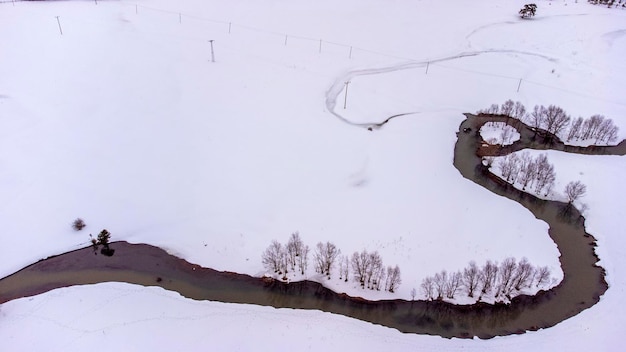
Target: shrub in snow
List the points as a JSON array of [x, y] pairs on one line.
[[78, 224], [529, 10]]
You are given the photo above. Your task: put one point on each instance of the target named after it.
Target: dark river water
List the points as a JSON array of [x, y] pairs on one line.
[[582, 285]]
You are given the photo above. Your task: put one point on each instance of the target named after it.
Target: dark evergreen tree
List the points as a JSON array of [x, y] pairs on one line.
[[529, 10]]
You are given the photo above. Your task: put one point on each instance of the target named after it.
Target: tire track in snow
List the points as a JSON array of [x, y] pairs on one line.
[[338, 85]]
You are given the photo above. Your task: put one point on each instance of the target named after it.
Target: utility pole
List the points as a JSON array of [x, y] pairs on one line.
[[212, 52], [427, 65], [59, 22], [345, 98]]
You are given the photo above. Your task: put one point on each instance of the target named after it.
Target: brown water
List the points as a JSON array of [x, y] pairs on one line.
[[142, 264]]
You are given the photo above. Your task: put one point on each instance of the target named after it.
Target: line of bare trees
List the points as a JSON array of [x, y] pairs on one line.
[[537, 174], [367, 268], [501, 280], [522, 168], [556, 121], [282, 259], [609, 3]]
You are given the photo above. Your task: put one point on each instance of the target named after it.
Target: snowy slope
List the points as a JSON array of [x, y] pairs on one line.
[[124, 121]]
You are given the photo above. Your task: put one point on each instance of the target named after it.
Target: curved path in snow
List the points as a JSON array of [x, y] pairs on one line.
[[142, 264], [333, 93]]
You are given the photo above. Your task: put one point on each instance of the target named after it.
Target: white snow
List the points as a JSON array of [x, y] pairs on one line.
[[499, 133], [125, 122]]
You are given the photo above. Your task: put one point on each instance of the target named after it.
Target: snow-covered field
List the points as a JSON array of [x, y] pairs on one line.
[[124, 121]]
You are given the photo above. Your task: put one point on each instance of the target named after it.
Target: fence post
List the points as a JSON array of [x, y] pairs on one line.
[[59, 22]]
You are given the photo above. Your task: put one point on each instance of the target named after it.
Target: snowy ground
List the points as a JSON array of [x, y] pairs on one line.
[[125, 122], [499, 133]]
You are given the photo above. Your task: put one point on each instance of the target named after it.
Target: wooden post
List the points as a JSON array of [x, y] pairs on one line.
[[285, 39], [427, 65], [212, 52], [519, 85], [350, 55], [230, 25], [59, 23], [320, 46]]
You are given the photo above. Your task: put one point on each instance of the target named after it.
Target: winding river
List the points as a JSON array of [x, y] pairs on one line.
[[582, 285]]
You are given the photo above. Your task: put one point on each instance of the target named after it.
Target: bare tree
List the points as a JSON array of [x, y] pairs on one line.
[[556, 119], [294, 249], [470, 278], [272, 257], [519, 111], [378, 279], [393, 278], [509, 166], [505, 276], [373, 270], [591, 126], [545, 175], [493, 109], [528, 170], [543, 275], [325, 256], [507, 108], [575, 190], [453, 284], [360, 264], [428, 287], [440, 280], [413, 294], [574, 128], [607, 132], [344, 268], [523, 274], [536, 118], [505, 135], [303, 259], [487, 277]]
